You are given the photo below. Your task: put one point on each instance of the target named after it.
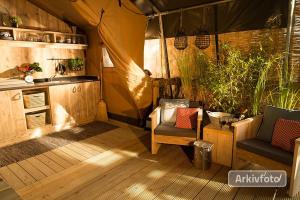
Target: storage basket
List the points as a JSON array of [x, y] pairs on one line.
[[33, 100], [36, 120]]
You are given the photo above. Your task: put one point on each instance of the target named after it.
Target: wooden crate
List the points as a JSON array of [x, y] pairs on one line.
[[33, 100], [35, 120]]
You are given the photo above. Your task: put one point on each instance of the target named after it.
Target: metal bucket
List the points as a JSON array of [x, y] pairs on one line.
[[202, 154]]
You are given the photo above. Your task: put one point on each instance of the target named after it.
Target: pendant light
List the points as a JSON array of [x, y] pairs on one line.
[[181, 40], [202, 40]]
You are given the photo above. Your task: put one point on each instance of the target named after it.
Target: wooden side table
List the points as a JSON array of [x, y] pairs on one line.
[[222, 138]]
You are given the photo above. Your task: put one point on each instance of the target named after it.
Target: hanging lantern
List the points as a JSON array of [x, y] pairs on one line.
[[202, 40], [181, 40]]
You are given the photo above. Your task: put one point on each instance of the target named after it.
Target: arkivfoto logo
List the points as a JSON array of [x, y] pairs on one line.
[[257, 178]]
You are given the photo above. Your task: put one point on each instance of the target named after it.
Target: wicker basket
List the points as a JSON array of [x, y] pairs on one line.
[[34, 100], [36, 120]]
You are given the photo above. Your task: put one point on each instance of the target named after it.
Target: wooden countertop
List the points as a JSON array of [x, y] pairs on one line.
[[45, 83]]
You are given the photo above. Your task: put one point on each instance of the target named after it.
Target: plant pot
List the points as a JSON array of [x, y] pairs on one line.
[[15, 25], [28, 79]]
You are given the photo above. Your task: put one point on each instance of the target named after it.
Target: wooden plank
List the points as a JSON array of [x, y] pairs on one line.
[[41, 166], [190, 190], [152, 191], [29, 110], [72, 153], [115, 176], [23, 175], [34, 172], [11, 178], [81, 145], [57, 159], [78, 150], [58, 184], [214, 186], [135, 184], [65, 156], [50, 163]]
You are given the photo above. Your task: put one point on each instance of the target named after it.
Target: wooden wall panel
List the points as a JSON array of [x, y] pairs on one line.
[[36, 18], [32, 16]]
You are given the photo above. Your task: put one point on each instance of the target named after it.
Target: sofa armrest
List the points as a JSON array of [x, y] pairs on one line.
[[155, 118], [247, 128], [295, 176], [199, 122]]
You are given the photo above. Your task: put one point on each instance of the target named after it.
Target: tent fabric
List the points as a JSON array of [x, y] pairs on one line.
[[233, 16], [123, 34]]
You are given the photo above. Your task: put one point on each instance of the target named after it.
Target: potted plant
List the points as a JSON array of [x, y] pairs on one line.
[[16, 21], [28, 70], [75, 64]]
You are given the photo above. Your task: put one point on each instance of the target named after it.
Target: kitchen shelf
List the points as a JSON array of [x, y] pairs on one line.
[[14, 43], [53, 39], [41, 108]]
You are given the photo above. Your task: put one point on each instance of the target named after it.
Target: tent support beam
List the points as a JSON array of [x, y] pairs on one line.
[[164, 45], [216, 33], [185, 9], [288, 37], [166, 57]]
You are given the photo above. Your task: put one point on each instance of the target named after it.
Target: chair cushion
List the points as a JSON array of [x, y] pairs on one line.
[[285, 133], [186, 118], [169, 107], [267, 150], [271, 115], [167, 130]]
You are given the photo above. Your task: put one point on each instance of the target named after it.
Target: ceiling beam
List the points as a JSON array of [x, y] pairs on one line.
[[158, 13]]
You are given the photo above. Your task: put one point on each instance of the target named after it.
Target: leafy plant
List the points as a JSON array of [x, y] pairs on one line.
[[16, 21], [30, 68], [75, 64], [192, 66], [231, 80], [285, 95]]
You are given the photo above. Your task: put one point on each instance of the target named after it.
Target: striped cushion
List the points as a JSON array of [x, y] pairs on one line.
[[186, 118], [285, 133]]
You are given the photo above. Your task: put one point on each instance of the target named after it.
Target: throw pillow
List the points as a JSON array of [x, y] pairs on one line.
[[169, 108], [285, 133], [187, 118], [271, 115]]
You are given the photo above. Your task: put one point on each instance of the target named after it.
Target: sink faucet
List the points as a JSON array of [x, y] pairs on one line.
[[52, 77]]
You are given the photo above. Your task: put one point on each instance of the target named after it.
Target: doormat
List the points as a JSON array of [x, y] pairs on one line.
[[23, 150]]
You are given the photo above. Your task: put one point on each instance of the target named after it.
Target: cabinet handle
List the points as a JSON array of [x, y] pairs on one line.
[[79, 89], [74, 89], [16, 97]]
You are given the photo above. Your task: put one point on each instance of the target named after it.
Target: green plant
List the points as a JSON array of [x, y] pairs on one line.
[[191, 67], [231, 80], [75, 64], [16, 21], [285, 95]]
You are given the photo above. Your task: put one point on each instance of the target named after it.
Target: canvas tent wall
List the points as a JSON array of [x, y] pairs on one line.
[[123, 33]]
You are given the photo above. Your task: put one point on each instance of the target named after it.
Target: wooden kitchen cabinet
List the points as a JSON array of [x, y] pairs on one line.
[[74, 104], [13, 122], [222, 138]]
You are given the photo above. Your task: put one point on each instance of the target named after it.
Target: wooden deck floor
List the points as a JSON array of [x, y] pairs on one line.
[[118, 165]]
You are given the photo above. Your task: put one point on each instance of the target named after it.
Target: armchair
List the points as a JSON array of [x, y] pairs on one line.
[[169, 134]]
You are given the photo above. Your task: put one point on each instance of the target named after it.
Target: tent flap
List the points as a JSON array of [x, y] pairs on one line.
[[123, 33]]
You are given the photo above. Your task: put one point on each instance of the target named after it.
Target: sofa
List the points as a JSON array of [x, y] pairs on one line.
[[253, 143]]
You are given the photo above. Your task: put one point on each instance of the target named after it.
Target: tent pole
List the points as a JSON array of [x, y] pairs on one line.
[[288, 37], [216, 33], [166, 57]]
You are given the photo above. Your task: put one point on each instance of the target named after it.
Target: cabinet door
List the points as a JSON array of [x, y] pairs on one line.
[[60, 105], [13, 122], [91, 95], [87, 97]]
